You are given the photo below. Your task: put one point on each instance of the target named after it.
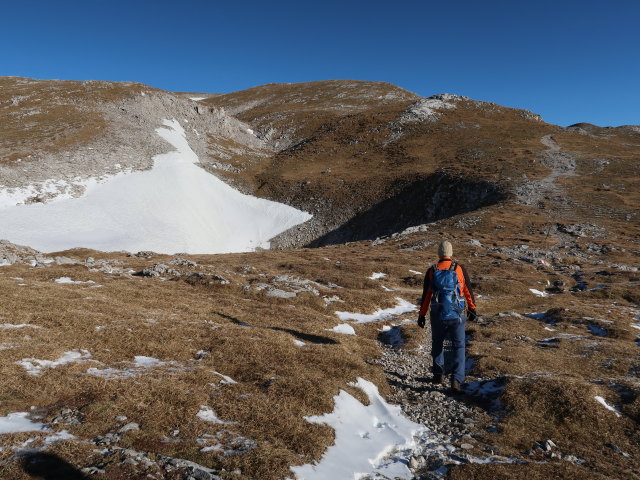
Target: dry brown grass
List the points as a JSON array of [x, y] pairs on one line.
[[278, 382], [53, 115]]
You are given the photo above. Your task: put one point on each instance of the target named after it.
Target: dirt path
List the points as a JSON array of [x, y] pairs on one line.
[[547, 192]]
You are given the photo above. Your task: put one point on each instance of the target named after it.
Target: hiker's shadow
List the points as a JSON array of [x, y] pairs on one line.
[[48, 466]]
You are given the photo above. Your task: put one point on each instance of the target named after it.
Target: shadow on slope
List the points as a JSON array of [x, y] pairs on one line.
[[424, 201], [48, 466]]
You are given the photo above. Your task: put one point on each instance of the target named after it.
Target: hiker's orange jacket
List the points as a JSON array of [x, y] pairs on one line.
[[465, 285]]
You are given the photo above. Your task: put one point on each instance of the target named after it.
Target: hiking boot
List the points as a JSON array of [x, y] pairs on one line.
[[456, 386], [437, 379]]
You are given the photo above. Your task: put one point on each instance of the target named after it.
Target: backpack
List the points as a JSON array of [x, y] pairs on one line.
[[447, 303]]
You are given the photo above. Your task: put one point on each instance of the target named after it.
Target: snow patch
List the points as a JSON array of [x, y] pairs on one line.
[[538, 293], [34, 366], [139, 364], [365, 438], [344, 328], [377, 275], [110, 373], [142, 361], [18, 422], [225, 380], [208, 415], [9, 326], [402, 307], [175, 206], [58, 437], [604, 403], [68, 280], [299, 343]]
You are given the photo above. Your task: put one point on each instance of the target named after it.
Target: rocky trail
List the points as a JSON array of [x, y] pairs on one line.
[[453, 422], [547, 190]]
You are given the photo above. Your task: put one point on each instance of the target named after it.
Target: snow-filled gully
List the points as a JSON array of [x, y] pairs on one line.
[[174, 207]]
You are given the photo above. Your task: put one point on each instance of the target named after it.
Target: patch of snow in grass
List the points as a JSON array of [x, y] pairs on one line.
[[147, 362], [18, 422], [202, 214], [110, 373], [225, 380], [10, 326], [604, 403], [538, 293], [139, 364], [208, 415], [68, 280], [343, 328], [387, 289], [212, 448], [415, 272], [377, 275], [197, 99], [402, 307], [299, 343], [366, 438], [34, 366], [58, 437]]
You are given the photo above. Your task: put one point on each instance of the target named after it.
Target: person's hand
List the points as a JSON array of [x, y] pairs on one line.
[[472, 316], [421, 321]]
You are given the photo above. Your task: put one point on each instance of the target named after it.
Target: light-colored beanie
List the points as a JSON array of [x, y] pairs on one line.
[[445, 249]]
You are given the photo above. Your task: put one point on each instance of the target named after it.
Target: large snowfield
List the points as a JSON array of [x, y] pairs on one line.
[[174, 207]]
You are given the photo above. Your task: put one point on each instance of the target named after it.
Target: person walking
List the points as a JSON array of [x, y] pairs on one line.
[[447, 290]]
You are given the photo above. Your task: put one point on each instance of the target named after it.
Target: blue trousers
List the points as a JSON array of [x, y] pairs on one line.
[[453, 331]]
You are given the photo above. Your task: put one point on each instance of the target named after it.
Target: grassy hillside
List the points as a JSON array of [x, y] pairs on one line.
[[544, 218]]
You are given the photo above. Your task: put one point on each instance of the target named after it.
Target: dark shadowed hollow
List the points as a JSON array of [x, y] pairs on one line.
[[424, 201]]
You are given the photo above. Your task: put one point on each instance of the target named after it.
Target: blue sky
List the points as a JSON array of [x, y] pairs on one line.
[[570, 61]]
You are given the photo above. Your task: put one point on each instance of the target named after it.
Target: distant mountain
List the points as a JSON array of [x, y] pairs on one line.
[[364, 158]]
